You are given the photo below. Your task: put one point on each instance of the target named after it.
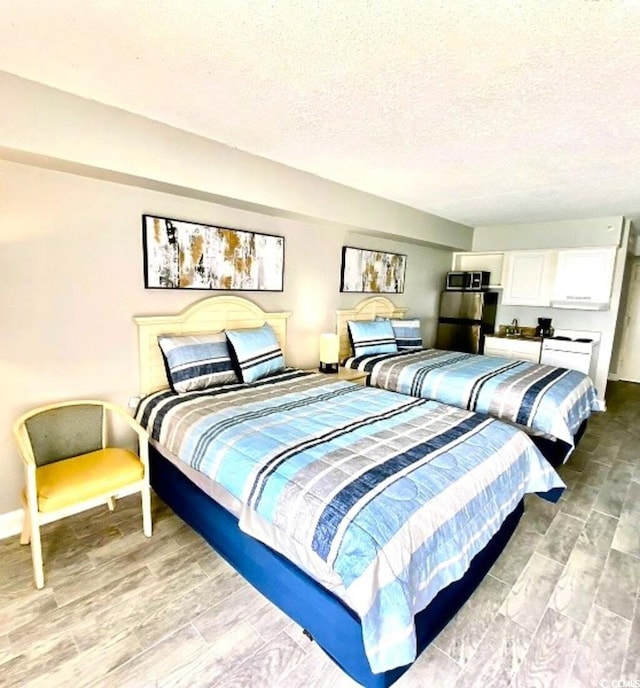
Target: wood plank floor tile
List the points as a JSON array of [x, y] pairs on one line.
[[17, 610], [560, 538], [432, 668], [68, 591], [569, 475], [577, 586], [619, 584], [177, 610], [462, 635], [498, 657], [597, 535], [6, 653], [614, 489], [317, 670], [594, 473], [60, 620], [269, 666], [579, 458], [150, 666], [128, 609], [527, 600], [217, 660], [229, 610], [601, 652], [626, 538], [538, 515], [550, 656], [38, 659], [578, 583], [87, 667], [631, 667], [579, 501], [515, 556]]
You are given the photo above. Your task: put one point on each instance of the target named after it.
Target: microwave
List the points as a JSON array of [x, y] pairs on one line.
[[469, 280]]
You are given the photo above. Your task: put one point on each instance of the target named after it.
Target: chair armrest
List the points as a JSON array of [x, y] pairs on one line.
[[143, 435]]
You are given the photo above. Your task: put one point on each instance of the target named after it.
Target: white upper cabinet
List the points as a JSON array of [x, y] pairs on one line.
[[583, 278], [491, 262], [528, 277]]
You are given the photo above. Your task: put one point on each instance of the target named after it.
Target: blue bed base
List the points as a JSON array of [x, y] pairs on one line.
[[556, 451], [335, 627]]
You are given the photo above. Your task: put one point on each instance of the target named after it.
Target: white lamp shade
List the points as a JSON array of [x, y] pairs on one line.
[[329, 348]]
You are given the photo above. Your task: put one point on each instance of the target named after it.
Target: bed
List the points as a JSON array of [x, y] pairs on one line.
[[551, 404], [346, 506]]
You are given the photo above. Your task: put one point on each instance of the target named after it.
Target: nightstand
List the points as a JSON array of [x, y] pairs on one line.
[[358, 376]]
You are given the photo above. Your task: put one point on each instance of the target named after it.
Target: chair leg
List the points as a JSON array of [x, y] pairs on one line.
[[111, 503], [36, 554], [147, 525], [25, 536]]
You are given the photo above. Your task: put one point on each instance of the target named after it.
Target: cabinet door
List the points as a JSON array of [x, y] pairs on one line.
[[512, 348], [528, 278], [584, 277]]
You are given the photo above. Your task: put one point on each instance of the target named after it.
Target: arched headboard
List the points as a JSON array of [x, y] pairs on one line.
[[212, 314], [367, 309]]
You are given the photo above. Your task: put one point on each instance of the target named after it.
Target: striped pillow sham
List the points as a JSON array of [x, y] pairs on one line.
[[197, 361], [257, 352], [407, 333], [371, 337]]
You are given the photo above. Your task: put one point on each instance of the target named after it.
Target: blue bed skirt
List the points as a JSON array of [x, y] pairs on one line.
[[557, 451], [335, 627]]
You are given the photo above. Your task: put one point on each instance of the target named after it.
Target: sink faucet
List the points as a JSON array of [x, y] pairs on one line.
[[514, 329]]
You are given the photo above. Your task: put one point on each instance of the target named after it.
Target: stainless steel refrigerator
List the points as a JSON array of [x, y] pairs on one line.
[[465, 318]]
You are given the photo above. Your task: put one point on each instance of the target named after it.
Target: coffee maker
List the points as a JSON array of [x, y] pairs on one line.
[[544, 328]]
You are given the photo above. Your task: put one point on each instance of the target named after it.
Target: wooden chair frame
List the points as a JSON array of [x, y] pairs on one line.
[[34, 518]]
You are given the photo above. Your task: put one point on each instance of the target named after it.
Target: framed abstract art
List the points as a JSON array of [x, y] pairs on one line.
[[367, 271], [190, 255]]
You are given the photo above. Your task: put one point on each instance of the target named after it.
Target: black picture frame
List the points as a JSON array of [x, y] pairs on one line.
[[367, 271], [181, 254]]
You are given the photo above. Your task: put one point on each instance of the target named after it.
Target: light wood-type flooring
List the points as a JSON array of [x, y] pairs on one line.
[[559, 608]]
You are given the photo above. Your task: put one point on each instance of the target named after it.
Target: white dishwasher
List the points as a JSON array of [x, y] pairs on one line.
[[574, 349]]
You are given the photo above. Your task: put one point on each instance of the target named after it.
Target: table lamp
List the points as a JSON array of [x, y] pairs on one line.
[[329, 353]]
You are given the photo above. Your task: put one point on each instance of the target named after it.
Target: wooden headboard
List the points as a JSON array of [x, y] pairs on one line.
[[367, 309], [212, 314]]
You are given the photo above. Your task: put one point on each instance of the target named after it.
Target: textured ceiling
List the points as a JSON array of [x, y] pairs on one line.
[[482, 112]]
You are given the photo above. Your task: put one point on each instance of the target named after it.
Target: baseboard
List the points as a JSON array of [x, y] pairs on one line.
[[10, 523], [614, 377]]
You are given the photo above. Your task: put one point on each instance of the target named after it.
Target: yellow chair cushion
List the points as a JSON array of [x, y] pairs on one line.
[[83, 477]]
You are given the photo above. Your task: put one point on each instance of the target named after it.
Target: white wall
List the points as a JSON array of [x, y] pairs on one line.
[[604, 231], [50, 128], [72, 280]]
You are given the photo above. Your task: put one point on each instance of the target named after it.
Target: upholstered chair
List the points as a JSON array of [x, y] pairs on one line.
[[70, 466]]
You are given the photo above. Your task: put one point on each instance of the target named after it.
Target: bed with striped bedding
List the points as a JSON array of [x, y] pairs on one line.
[[544, 399], [383, 498]]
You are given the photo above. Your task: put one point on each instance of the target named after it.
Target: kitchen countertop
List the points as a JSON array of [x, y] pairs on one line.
[[526, 333], [522, 337]]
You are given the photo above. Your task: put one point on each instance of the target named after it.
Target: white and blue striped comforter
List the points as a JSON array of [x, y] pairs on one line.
[[548, 400], [388, 496]]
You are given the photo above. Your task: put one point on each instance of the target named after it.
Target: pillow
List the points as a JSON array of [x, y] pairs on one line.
[[372, 337], [257, 352], [197, 361], [407, 334]]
